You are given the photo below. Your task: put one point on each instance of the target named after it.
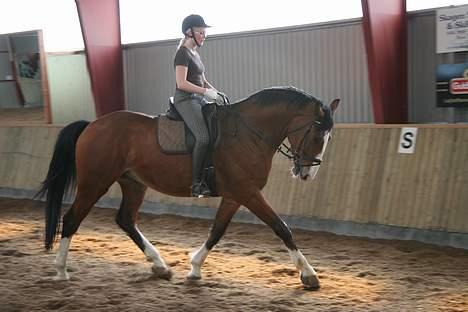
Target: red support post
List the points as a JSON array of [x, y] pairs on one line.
[[385, 34], [100, 26]]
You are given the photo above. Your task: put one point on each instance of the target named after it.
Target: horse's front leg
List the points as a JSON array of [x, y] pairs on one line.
[[260, 207], [226, 210]]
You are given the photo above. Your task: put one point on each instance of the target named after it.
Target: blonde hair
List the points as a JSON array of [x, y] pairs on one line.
[[181, 43]]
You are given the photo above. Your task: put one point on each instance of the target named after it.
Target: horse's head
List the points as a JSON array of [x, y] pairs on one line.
[[308, 134]]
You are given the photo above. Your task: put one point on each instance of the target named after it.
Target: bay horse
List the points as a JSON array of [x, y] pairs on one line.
[[122, 146]]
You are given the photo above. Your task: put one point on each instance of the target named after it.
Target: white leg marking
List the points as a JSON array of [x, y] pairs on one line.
[[301, 263], [152, 254], [159, 267], [61, 260], [197, 260]]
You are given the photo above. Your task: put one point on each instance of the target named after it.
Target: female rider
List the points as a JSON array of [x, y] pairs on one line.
[[192, 90]]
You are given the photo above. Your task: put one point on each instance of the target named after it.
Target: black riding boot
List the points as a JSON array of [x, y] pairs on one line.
[[199, 187]]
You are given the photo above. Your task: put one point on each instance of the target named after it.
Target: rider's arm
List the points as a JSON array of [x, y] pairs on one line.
[[185, 85], [206, 84]]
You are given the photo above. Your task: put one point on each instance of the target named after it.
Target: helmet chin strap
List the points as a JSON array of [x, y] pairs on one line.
[[194, 38]]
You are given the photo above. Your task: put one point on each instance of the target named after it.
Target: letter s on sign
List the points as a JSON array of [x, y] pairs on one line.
[[407, 142]]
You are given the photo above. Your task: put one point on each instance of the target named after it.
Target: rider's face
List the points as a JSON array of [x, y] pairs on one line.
[[199, 34]]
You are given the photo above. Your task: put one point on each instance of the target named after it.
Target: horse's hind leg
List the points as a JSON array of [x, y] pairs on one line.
[[224, 215], [260, 207], [133, 193], [84, 201]]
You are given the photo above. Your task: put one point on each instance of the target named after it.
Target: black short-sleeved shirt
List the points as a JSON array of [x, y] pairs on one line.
[[192, 61]]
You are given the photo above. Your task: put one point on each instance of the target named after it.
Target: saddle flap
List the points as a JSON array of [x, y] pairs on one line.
[[172, 135], [210, 114], [175, 137]]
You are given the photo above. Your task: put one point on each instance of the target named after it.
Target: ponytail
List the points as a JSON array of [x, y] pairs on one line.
[[181, 43]]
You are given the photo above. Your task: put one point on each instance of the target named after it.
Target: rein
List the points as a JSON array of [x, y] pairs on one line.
[[226, 103], [254, 130]]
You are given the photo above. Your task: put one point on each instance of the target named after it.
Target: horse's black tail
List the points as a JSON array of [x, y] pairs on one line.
[[60, 179]]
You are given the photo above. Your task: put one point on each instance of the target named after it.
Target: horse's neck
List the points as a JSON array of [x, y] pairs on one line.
[[270, 121]]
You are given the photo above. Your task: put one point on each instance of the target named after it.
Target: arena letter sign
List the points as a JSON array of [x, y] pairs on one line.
[[407, 142]]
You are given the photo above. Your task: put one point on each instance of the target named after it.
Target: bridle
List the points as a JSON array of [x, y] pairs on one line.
[[296, 155]]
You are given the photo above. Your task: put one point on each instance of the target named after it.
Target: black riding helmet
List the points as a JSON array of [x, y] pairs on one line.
[[191, 21]]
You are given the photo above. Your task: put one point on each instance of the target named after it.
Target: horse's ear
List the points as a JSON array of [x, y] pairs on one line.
[[334, 104]]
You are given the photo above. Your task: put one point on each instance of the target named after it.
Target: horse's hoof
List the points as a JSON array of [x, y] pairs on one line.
[[310, 282], [61, 277], [193, 277], [161, 272]]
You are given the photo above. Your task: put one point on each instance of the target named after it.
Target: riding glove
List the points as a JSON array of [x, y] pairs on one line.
[[212, 95]]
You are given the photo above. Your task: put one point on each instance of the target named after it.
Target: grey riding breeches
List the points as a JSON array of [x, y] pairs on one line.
[[189, 106]]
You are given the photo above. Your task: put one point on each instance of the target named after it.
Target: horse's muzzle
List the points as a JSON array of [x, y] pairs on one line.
[[304, 172]]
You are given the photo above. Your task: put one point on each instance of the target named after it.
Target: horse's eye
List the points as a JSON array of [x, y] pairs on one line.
[[318, 139]]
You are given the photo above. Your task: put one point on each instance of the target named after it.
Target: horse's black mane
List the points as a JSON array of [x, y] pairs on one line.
[[294, 96]]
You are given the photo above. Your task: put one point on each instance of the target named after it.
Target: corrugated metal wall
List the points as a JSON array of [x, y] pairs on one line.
[[149, 77], [422, 65], [327, 60]]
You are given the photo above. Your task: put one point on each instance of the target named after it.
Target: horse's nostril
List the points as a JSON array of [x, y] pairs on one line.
[[296, 170]]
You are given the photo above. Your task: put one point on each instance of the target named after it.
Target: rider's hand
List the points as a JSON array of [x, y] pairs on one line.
[[224, 98], [212, 95]]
